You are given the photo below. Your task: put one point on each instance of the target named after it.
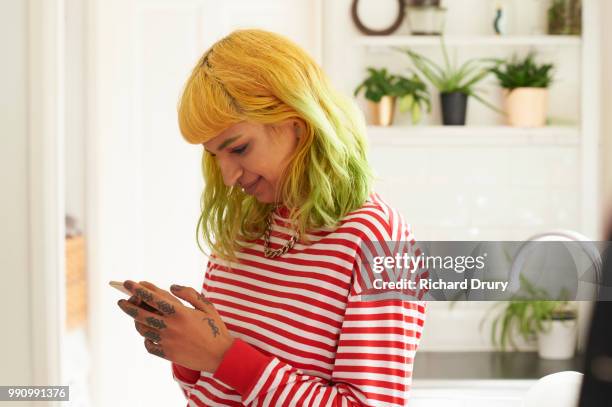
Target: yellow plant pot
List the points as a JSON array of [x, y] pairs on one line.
[[382, 112], [526, 107]]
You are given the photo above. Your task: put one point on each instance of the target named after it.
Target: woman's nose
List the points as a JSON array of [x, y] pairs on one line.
[[231, 172]]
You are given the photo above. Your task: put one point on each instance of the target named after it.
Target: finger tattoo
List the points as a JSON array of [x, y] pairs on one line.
[[131, 311], [213, 326], [205, 300], [152, 336], [155, 350], [156, 323], [144, 294], [165, 307]]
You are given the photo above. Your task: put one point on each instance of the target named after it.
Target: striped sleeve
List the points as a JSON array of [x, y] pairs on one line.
[[373, 363], [186, 378]]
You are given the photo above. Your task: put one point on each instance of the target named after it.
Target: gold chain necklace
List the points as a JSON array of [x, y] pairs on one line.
[[271, 253]]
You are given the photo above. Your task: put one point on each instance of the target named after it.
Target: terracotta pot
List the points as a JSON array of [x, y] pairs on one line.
[[382, 112], [559, 340], [526, 107]]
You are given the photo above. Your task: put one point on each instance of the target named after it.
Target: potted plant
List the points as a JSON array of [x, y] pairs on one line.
[[379, 93], [553, 323], [413, 96], [382, 89], [525, 85], [455, 83]]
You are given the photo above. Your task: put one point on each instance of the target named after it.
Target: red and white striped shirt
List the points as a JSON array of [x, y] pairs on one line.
[[303, 334]]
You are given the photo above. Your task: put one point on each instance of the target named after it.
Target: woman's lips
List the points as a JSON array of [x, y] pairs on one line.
[[250, 189]]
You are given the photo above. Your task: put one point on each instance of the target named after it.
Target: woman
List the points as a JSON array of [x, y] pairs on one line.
[[288, 213]]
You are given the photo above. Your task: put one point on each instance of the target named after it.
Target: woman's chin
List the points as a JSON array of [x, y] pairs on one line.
[[264, 197]]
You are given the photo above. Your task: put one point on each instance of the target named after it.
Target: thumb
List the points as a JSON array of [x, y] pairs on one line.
[[198, 300]]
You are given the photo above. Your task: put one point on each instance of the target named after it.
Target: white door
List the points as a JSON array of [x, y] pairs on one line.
[[143, 180]]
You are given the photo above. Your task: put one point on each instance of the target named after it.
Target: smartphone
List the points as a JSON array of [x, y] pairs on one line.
[[119, 286]]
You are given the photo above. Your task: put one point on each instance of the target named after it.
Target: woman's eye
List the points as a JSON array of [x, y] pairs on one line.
[[240, 150]]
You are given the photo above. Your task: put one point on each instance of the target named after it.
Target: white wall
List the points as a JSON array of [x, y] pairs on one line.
[[606, 111], [16, 366], [144, 184], [75, 110]]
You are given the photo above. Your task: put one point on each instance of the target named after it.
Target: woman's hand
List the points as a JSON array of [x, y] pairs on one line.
[[193, 338]]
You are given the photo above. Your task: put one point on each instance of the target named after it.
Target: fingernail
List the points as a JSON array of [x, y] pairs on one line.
[[175, 287], [128, 284], [119, 303]]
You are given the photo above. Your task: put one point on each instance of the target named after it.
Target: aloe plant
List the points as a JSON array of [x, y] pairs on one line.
[[451, 77]]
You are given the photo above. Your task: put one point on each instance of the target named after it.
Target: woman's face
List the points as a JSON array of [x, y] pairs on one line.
[[253, 156]]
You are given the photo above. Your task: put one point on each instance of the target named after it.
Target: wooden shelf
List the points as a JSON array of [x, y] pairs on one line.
[[472, 136], [478, 40]]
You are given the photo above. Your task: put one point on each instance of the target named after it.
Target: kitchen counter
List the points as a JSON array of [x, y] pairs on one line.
[[480, 379], [489, 366]]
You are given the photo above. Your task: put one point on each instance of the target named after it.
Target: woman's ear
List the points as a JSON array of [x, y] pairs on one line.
[[298, 130], [298, 127]]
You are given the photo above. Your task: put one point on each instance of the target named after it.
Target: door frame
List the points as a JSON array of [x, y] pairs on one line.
[[45, 22]]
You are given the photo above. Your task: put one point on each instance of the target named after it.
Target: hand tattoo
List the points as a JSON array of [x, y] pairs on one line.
[[144, 294], [133, 312], [164, 307], [213, 327], [153, 336], [204, 299], [156, 350], [156, 323]]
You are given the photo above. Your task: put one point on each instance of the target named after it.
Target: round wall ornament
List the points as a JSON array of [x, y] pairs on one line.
[[357, 20]]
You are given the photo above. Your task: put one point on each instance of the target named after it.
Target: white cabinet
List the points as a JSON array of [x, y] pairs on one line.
[[469, 393]]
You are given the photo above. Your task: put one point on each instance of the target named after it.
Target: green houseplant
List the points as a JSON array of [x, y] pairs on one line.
[[454, 82], [379, 93], [382, 89], [525, 85], [413, 96], [553, 323]]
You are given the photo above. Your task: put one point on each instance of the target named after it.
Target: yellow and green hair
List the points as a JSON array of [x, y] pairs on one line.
[[262, 77]]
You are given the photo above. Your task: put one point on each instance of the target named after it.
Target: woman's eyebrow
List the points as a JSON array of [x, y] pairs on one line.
[[228, 141]]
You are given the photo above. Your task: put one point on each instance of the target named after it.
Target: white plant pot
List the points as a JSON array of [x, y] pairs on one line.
[[526, 107], [559, 340]]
